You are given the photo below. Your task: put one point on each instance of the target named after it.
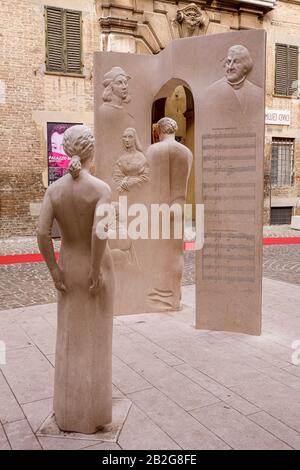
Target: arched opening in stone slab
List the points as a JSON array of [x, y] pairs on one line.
[[175, 100]]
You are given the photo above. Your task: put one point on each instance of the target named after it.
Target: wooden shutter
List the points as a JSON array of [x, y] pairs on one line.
[[292, 70], [73, 41], [54, 40], [281, 68], [286, 69], [63, 40]]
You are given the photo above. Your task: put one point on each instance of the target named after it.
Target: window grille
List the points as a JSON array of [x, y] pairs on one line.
[[281, 215], [282, 162]]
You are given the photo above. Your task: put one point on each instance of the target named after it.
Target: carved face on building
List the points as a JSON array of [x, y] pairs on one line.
[[238, 64], [191, 16], [192, 19]]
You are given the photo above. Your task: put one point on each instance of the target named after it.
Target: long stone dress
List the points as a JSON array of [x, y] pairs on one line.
[[170, 165], [83, 369]]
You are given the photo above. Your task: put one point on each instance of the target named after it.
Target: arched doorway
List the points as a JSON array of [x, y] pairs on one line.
[[179, 105]]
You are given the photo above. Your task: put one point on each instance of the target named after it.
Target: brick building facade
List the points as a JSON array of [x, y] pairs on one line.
[[33, 93], [31, 97]]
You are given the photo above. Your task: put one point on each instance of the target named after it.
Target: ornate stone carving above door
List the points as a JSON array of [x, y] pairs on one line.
[[148, 26], [191, 21]]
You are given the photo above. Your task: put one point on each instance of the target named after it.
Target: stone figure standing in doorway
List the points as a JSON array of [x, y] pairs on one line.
[[84, 281], [170, 165]]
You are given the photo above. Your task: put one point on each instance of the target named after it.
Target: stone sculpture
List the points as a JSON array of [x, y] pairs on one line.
[[170, 165], [232, 124], [228, 144], [126, 263], [114, 117], [120, 243], [84, 280], [238, 95], [115, 84], [190, 19], [132, 168]]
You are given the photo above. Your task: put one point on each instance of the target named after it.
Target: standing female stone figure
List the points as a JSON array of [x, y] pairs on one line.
[[85, 283]]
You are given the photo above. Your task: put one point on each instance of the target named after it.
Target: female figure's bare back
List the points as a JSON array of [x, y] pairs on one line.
[[85, 282]]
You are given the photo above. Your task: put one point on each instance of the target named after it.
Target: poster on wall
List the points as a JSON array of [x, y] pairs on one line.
[[58, 161]]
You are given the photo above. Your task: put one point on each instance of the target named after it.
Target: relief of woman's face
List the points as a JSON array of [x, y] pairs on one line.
[[129, 139]]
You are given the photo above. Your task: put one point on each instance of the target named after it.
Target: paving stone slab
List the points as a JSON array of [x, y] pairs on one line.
[[185, 430], [10, 409], [110, 433], [20, 436], [29, 374], [277, 399], [236, 430], [4, 444], [36, 412], [141, 433], [167, 379], [277, 428], [126, 379], [221, 392]]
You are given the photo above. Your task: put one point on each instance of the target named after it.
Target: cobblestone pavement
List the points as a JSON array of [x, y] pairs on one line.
[[282, 262], [30, 283], [20, 245], [25, 284], [275, 231]]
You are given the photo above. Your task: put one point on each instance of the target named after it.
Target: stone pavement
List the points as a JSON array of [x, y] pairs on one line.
[[30, 283], [275, 231], [189, 389], [18, 245], [282, 262]]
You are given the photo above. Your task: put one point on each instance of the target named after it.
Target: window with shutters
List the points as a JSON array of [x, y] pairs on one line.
[[286, 70], [282, 164], [63, 41]]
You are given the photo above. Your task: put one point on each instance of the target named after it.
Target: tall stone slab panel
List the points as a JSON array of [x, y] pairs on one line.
[[231, 142], [229, 139]]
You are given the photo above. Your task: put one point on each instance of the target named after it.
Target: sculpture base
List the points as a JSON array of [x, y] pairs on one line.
[[109, 433]]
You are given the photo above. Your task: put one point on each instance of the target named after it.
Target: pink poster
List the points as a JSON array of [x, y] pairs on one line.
[[58, 161]]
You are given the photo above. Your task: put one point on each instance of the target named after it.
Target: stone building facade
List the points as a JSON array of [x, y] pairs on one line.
[[32, 96]]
